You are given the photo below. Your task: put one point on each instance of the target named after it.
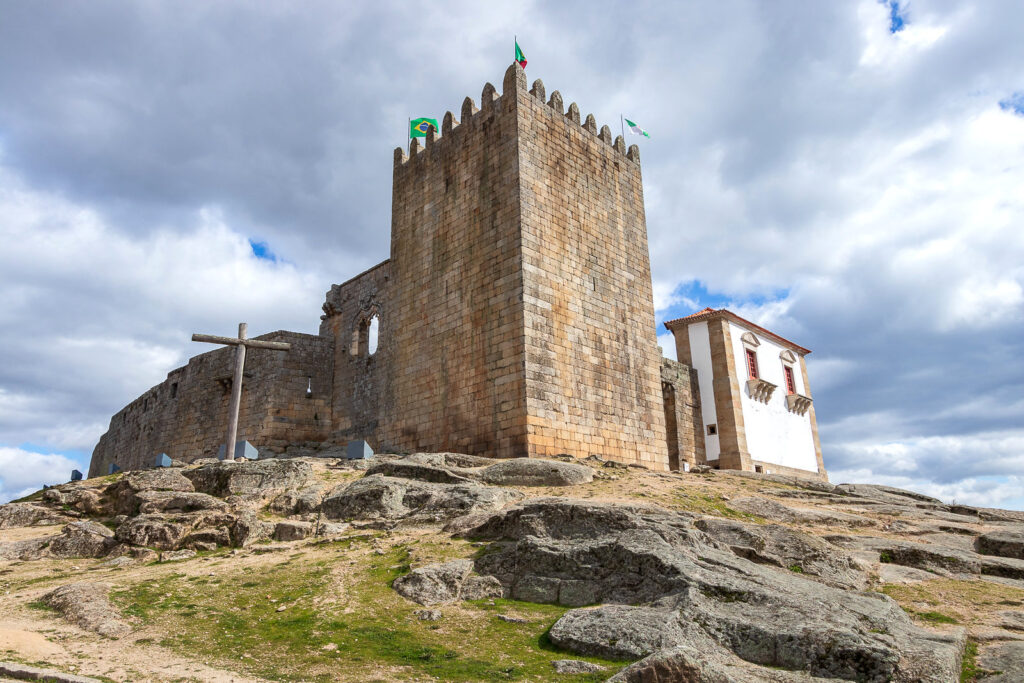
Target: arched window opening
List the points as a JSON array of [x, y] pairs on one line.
[[373, 332]]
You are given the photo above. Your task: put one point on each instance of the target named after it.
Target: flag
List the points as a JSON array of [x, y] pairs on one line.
[[418, 127], [637, 130], [520, 57]]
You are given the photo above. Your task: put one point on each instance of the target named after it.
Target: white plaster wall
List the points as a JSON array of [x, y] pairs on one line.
[[700, 353], [774, 434]]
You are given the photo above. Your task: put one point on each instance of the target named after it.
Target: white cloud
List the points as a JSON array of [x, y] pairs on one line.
[[22, 472]]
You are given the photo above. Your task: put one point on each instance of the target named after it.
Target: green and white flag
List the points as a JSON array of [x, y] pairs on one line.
[[637, 130]]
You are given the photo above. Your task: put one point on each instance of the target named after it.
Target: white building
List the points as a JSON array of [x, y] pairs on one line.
[[754, 395]]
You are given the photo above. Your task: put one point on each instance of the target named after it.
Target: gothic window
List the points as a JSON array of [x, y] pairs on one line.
[[372, 332], [365, 336]]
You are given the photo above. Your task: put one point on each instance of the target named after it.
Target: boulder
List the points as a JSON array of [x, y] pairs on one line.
[[76, 497], [155, 531], [887, 494], [534, 472], [207, 539], [1002, 543], [943, 560], [435, 584], [248, 529], [787, 548], [617, 631], [124, 493], [87, 605], [380, 497], [28, 549], [705, 664], [83, 539], [260, 478], [27, 514], [293, 530], [151, 502], [300, 502], [460, 460]]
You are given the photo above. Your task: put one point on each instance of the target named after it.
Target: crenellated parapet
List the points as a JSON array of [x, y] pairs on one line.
[[513, 84]]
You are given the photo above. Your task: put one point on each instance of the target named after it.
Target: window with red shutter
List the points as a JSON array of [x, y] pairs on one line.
[[752, 364], [790, 381]]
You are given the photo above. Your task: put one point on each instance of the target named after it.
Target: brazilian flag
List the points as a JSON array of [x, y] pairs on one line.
[[418, 127]]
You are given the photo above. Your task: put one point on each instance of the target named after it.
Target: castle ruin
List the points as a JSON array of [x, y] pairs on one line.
[[515, 316]]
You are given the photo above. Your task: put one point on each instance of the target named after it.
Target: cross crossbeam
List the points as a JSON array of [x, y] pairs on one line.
[[240, 343]]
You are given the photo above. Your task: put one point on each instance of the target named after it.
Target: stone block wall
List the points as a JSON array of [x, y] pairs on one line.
[[452, 338], [358, 377], [185, 416], [683, 419], [593, 381]]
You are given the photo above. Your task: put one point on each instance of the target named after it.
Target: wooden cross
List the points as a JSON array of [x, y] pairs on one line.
[[236, 384]]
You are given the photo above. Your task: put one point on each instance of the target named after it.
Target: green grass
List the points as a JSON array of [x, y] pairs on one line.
[[885, 557], [797, 569], [706, 504], [234, 620], [936, 618], [969, 665]]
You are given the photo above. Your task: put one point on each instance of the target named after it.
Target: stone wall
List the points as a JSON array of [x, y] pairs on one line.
[[593, 381], [683, 420], [186, 415], [452, 339], [358, 377]]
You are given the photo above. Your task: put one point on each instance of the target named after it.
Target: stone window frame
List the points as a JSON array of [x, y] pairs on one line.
[[789, 361], [359, 344], [750, 344]]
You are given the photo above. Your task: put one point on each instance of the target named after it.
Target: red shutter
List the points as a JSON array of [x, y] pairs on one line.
[[752, 364], [790, 382]]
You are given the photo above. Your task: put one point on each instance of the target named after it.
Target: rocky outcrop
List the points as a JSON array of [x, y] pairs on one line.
[[533, 472], [435, 584], [390, 498], [83, 539], [261, 479], [574, 552], [87, 605], [151, 502], [777, 512], [125, 492], [26, 514], [1002, 543]]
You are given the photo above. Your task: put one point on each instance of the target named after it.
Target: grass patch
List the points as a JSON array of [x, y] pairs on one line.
[[344, 622], [708, 504], [965, 602], [969, 664], [885, 557], [795, 568]]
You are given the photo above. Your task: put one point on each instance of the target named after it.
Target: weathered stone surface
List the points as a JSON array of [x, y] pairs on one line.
[[28, 549], [124, 492], [155, 531], [635, 555], [435, 584], [534, 472], [806, 483], [617, 631], [942, 560], [178, 555], [151, 502], [79, 498], [777, 512], [332, 528], [301, 502], [575, 666], [1012, 620], [461, 460], [293, 530], [207, 539], [420, 471], [83, 539], [87, 605], [380, 497], [248, 529], [706, 663], [787, 548], [481, 588], [23, 672], [262, 478], [26, 514], [1003, 543], [887, 494], [1006, 658]]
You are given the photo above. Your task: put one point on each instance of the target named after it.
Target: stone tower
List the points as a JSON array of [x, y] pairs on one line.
[[519, 313]]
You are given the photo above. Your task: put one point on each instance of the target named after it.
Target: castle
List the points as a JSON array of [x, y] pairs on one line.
[[515, 318]]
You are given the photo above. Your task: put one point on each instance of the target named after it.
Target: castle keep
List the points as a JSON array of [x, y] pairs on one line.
[[515, 317]]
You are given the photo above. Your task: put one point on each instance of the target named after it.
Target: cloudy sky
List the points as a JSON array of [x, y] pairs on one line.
[[848, 174]]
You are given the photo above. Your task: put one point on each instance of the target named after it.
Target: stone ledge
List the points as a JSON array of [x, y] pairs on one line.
[[22, 672]]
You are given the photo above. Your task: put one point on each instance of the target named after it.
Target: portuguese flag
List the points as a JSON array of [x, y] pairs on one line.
[[418, 127], [520, 57]]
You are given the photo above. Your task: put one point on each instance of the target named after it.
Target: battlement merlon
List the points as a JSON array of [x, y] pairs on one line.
[[514, 82]]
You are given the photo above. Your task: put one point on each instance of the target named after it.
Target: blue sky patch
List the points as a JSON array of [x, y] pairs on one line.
[[697, 292], [897, 16], [1014, 103], [262, 251]]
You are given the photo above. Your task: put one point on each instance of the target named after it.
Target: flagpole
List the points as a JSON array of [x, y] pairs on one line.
[[623, 126], [408, 136]]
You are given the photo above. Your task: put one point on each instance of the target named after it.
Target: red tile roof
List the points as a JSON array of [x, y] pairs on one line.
[[709, 313]]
